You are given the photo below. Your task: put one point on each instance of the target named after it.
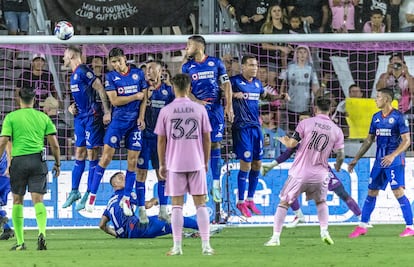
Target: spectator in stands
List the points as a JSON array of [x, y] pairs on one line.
[[38, 79], [394, 12], [232, 64], [251, 14], [273, 53], [272, 147], [295, 22], [16, 15], [375, 24], [371, 5], [340, 114], [407, 16], [314, 13], [343, 15], [301, 82], [399, 78], [64, 132]]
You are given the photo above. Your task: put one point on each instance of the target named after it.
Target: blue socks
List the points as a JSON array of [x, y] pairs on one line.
[[97, 177], [77, 172], [406, 210], [92, 165], [215, 163], [367, 209], [253, 180], [241, 184], [140, 190], [162, 198], [130, 178]]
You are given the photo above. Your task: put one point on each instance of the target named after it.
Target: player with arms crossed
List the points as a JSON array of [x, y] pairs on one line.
[[207, 73], [390, 129], [247, 132], [89, 121], [160, 96], [318, 136], [126, 88], [183, 129]]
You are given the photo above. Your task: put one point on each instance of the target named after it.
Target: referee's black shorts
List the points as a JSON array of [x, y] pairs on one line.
[[28, 172]]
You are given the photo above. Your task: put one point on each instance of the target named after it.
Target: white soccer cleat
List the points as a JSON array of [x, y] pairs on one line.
[[90, 203], [175, 252], [216, 228], [273, 242], [143, 218], [295, 222], [207, 251]]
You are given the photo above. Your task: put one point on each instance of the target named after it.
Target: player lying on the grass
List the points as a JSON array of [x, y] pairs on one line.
[[130, 226], [334, 185]]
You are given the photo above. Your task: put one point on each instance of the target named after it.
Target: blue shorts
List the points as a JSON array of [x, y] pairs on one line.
[[89, 132], [380, 177], [248, 143], [4, 190], [17, 21], [216, 115], [118, 129], [148, 152], [154, 228]]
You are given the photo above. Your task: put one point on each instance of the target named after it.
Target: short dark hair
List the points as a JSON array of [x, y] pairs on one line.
[[323, 102], [396, 54], [26, 94], [247, 57], [181, 81], [387, 90], [116, 52], [198, 38], [113, 177], [376, 12], [76, 49]]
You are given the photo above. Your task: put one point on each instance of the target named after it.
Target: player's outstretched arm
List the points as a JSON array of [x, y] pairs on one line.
[[361, 152], [103, 225]]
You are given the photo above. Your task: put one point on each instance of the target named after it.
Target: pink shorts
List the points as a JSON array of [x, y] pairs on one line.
[[294, 187], [181, 183]]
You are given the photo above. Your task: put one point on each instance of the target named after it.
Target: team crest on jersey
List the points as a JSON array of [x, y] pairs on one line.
[[306, 75], [75, 76], [246, 154], [114, 139], [164, 92], [391, 121], [135, 76], [89, 75], [211, 63]]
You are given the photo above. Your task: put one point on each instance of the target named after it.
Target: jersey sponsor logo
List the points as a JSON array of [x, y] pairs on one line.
[[135, 76], [127, 89], [383, 132], [89, 75], [251, 96], [203, 75], [74, 88], [157, 103]]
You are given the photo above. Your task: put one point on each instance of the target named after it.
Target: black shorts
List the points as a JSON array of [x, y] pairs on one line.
[[28, 172]]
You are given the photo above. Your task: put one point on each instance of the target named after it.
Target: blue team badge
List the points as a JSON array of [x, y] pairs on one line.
[[391, 121], [89, 75], [211, 63], [135, 76], [164, 92], [75, 76]]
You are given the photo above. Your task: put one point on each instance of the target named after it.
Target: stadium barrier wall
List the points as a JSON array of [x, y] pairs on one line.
[[266, 197]]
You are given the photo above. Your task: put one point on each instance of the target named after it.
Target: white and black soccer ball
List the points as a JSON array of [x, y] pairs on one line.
[[63, 30]]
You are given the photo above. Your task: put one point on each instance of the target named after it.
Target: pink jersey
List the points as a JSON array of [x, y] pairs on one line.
[[183, 122], [320, 136], [343, 15]]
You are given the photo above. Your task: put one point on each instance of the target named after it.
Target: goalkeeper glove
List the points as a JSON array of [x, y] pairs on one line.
[[266, 167]]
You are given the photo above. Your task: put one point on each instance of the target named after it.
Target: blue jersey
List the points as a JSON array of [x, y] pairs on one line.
[[205, 78], [246, 110], [122, 224], [3, 163], [125, 85], [83, 93], [388, 131], [160, 97]]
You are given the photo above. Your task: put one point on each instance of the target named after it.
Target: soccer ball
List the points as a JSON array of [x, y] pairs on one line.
[[63, 30]]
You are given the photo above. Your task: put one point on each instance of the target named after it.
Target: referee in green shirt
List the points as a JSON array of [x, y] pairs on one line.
[[27, 128]]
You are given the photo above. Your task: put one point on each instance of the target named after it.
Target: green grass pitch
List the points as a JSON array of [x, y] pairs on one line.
[[235, 246]]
